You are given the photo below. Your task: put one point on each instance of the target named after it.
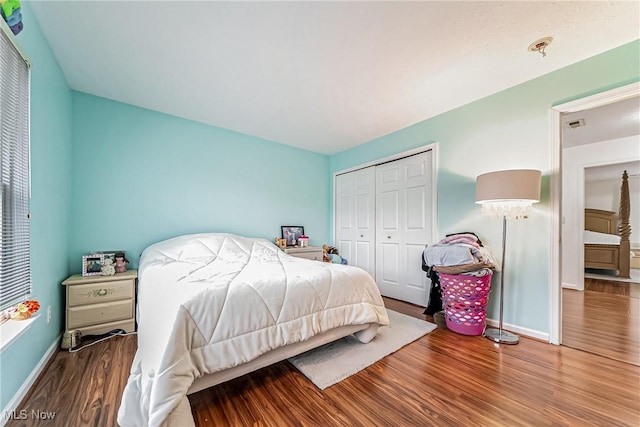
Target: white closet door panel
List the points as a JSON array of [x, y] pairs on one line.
[[345, 214], [416, 210], [345, 186], [416, 278], [388, 215], [388, 233], [365, 181], [364, 209], [389, 175], [390, 263], [364, 256], [419, 194], [355, 218], [403, 200], [415, 169]]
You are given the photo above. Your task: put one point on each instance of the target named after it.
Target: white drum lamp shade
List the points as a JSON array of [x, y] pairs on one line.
[[516, 185]]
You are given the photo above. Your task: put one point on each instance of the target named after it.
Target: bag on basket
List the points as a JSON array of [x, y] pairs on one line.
[[435, 296]]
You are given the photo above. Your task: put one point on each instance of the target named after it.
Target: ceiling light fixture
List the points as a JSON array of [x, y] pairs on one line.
[[540, 45]]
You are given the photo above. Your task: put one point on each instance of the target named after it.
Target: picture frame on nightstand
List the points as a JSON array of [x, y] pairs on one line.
[[291, 233], [108, 255], [91, 264]]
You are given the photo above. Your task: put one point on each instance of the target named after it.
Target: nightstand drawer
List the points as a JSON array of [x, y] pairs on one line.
[[103, 328], [99, 313], [313, 255], [100, 292]]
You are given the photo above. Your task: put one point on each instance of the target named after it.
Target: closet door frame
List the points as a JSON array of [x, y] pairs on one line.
[[433, 147]]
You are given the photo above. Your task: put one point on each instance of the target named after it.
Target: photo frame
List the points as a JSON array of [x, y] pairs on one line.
[[291, 233], [92, 264], [108, 255]]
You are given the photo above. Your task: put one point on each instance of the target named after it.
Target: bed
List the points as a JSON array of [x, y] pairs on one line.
[[606, 236], [214, 306]]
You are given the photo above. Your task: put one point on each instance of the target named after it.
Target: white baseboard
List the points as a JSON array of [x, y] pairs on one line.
[[570, 286], [544, 336], [28, 383]]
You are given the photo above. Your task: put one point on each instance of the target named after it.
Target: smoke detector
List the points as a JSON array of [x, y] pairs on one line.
[[540, 45]]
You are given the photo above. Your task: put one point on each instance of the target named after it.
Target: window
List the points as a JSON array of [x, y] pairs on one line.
[[15, 262]]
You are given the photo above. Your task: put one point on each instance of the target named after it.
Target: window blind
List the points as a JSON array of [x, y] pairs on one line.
[[15, 262]]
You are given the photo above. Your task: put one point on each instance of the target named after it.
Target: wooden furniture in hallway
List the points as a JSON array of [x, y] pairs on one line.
[[616, 257]]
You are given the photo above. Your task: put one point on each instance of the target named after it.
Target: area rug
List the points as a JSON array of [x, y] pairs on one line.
[[333, 362]]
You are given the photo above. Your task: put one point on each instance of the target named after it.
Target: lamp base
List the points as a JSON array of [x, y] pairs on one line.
[[503, 336]]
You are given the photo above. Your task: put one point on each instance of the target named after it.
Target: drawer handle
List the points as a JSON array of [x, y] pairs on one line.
[[102, 292]]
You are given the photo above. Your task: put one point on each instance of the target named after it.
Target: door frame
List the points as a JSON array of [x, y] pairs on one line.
[[555, 260], [433, 147]]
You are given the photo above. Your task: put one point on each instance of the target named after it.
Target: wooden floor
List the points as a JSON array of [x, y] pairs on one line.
[[442, 379], [604, 319]]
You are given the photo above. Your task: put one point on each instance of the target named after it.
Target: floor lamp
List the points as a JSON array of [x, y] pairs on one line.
[[509, 194]]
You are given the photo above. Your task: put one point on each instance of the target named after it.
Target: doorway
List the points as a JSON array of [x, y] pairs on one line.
[[600, 315], [577, 316]]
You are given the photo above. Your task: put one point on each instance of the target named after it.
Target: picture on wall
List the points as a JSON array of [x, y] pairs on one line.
[[291, 233]]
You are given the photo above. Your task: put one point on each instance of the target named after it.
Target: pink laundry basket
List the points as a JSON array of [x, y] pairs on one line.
[[464, 298]]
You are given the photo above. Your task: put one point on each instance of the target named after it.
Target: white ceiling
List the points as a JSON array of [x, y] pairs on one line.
[[324, 76]]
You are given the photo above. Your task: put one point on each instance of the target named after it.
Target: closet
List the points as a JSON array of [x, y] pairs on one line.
[[384, 217]]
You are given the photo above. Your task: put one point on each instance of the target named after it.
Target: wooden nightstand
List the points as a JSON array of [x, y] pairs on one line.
[[99, 304], [309, 252]]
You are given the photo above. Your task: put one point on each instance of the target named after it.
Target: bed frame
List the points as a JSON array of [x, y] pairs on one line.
[[610, 257], [364, 333], [182, 417]]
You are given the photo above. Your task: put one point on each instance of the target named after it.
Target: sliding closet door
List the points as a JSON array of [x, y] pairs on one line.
[[355, 218], [403, 226]]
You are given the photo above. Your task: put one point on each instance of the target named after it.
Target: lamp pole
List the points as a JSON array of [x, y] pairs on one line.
[[499, 335]]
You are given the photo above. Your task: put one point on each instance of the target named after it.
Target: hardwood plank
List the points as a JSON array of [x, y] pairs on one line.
[[604, 320], [441, 379], [610, 286], [83, 388]]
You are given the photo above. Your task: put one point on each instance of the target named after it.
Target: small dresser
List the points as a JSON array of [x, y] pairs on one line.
[[99, 304], [308, 252]]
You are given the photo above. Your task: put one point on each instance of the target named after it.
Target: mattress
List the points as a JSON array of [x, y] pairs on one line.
[[593, 237], [210, 302]]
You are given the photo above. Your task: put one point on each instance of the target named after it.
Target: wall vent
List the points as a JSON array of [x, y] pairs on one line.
[[575, 123]]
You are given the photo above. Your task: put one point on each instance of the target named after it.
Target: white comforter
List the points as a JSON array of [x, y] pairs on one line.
[[208, 302]]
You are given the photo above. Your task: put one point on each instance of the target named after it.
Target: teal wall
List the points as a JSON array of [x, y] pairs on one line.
[[140, 176], [508, 130], [50, 201]]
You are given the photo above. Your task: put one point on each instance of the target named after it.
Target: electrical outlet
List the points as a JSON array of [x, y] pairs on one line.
[[49, 314]]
